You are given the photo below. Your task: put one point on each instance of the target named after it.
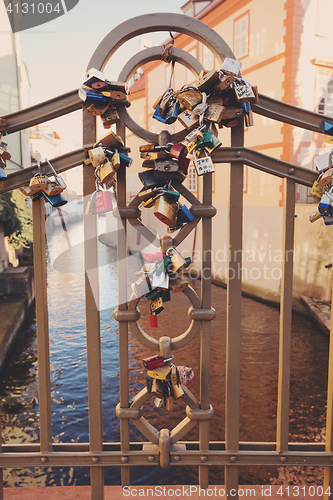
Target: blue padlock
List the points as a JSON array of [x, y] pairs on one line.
[[173, 113], [184, 215], [3, 175], [325, 206], [125, 160], [55, 201], [158, 116], [328, 220], [91, 97], [326, 127]]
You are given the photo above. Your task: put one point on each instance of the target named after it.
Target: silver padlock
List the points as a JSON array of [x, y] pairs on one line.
[[167, 165], [203, 165]]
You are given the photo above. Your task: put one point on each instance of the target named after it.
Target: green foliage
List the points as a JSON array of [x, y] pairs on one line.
[[15, 216]]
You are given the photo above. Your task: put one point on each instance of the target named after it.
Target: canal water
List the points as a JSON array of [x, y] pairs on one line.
[[259, 380]]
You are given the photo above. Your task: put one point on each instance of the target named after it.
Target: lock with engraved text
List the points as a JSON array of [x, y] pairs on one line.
[[177, 261], [189, 97], [203, 165], [165, 210], [243, 91]]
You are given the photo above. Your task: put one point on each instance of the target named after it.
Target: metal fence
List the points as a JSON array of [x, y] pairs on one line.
[[230, 453]]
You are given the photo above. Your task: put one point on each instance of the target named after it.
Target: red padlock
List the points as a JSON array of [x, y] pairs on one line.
[[153, 256], [178, 150], [183, 164], [153, 320], [153, 361], [103, 202]]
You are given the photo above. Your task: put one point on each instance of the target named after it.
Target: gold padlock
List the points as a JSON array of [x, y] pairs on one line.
[[97, 109], [169, 403], [188, 119], [110, 117], [160, 373], [207, 81], [154, 155], [115, 160], [149, 203], [145, 195], [192, 145], [177, 285], [190, 98], [232, 112], [214, 113], [224, 82], [97, 156], [53, 189], [38, 182], [106, 172], [147, 147], [317, 191], [165, 211], [325, 178], [156, 305], [315, 216], [111, 140], [177, 261]]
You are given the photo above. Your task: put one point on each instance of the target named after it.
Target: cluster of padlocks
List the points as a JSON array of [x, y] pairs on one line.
[[165, 380], [101, 94], [323, 186], [42, 186], [216, 100], [106, 159], [160, 274], [4, 154]]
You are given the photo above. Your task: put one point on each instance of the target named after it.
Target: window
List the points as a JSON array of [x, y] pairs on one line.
[[192, 179], [325, 104], [241, 37]]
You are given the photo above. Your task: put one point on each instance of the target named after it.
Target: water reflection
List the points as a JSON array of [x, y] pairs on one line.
[[259, 372]]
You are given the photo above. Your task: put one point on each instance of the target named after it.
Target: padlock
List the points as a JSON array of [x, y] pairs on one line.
[[191, 136], [148, 164], [167, 166], [315, 216], [229, 123], [92, 76], [323, 162], [114, 94], [231, 112], [184, 215], [326, 127], [153, 321], [176, 388], [243, 92], [165, 295], [325, 178], [3, 175], [55, 201], [206, 141], [325, 206], [156, 305], [53, 189], [145, 195], [2, 162], [152, 294], [169, 403], [154, 155], [164, 176], [317, 191], [97, 156], [207, 81], [177, 285], [157, 102], [192, 145], [153, 362], [224, 82], [186, 375], [160, 373], [106, 172], [5, 155], [177, 261], [172, 113], [90, 208], [110, 117], [231, 65], [149, 180], [157, 387], [216, 144], [147, 147], [115, 160], [214, 113], [183, 164], [141, 286], [165, 210], [172, 195], [157, 115], [203, 165], [188, 119], [38, 182], [177, 150], [165, 103], [98, 109], [148, 203], [110, 140], [103, 202], [58, 179], [91, 97], [190, 98]]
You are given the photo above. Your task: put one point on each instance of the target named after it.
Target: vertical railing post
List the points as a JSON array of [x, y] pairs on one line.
[[328, 471], [1, 470], [234, 294], [282, 430], [122, 306], [205, 328], [94, 365], [42, 322]]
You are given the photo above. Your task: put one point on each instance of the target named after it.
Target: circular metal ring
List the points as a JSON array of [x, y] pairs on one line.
[[177, 342]]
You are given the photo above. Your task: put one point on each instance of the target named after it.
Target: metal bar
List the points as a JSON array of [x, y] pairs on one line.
[[60, 164], [286, 113], [140, 457], [42, 322], [94, 366], [328, 473], [1, 470], [282, 429], [122, 252], [234, 293], [47, 110], [206, 262], [266, 163]]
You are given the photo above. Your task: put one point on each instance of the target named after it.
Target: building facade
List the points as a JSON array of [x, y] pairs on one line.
[[284, 47]]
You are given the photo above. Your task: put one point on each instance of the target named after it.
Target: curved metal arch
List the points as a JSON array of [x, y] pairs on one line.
[[148, 23], [154, 54]]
